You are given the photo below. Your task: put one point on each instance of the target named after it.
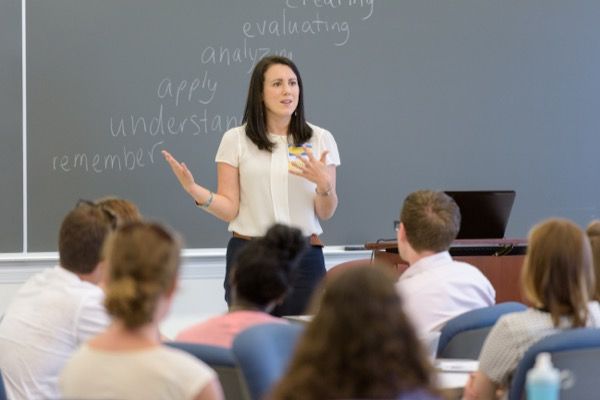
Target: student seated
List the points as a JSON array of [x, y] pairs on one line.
[[435, 287], [127, 360], [58, 309], [593, 233], [261, 278], [558, 280], [359, 345], [125, 210]]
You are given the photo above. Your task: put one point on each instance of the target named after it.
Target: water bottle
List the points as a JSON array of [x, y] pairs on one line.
[[543, 380]]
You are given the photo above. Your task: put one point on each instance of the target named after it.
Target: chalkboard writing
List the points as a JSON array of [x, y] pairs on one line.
[[418, 94]]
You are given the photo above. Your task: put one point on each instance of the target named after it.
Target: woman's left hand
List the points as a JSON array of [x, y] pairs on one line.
[[313, 169]]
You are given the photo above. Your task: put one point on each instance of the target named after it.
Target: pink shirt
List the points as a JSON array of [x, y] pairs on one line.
[[221, 330]]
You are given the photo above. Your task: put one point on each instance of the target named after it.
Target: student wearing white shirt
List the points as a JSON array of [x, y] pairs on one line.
[[58, 309], [276, 168], [435, 287], [127, 360]]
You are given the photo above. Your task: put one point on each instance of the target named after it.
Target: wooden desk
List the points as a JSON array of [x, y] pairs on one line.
[[500, 260]]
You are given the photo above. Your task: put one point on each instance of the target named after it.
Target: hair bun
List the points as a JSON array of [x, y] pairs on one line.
[[287, 241]]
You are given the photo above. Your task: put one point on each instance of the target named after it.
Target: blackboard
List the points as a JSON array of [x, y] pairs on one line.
[[11, 150], [449, 95]]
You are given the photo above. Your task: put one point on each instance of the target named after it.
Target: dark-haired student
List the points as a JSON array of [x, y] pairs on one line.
[[275, 168], [359, 345], [261, 277], [127, 361], [56, 310]]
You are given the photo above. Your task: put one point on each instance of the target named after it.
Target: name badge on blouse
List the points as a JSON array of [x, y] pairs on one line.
[[294, 154]]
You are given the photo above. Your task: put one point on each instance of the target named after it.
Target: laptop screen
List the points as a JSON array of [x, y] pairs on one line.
[[484, 213]]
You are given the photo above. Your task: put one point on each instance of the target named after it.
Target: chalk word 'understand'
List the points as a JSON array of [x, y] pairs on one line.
[[193, 124]]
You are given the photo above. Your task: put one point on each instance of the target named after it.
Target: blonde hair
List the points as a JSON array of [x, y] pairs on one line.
[[143, 262], [124, 210], [593, 233], [558, 275]]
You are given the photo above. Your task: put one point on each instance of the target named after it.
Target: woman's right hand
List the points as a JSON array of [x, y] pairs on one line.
[[181, 171]]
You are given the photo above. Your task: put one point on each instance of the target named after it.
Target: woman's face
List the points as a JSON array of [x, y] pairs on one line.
[[280, 91]]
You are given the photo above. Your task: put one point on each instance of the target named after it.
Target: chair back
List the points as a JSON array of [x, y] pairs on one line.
[[575, 350], [220, 359], [2, 389], [263, 353], [463, 335]]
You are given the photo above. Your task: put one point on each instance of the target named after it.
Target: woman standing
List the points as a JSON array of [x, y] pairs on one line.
[[275, 168]]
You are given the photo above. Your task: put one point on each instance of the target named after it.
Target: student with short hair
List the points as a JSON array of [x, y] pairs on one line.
[[359, 345], [127, 360], [435, 287], [261, 278], [56, 310], [558, 279]]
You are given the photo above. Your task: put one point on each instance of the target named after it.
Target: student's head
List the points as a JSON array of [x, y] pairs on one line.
[[123, 209], [263, 271], [360, 343], [82, 235], [430, 220], [143, 261], [558, 274], [593, 233], [255, 113]]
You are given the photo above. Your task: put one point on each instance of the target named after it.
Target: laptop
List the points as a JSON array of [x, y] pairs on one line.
[[484, 213]]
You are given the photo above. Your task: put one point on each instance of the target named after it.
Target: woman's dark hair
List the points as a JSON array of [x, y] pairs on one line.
[[255, 116], [360, 344], [264, 269]]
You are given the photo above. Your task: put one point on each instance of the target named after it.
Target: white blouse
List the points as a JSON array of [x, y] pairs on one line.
[[268, 192]]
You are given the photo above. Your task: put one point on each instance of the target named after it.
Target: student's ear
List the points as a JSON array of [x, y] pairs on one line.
[[174, 287], [101, 271], [401, 234]]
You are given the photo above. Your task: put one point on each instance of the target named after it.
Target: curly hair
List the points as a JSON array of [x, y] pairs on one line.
[[143, 263], [264, 269], [360, 344]]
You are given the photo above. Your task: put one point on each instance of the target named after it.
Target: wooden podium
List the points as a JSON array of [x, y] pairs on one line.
[[500, 260]]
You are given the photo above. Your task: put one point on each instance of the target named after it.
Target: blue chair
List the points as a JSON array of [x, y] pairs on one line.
[[576, 350], [463, 335], [263, 353], [220, 359], [2, 389]]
